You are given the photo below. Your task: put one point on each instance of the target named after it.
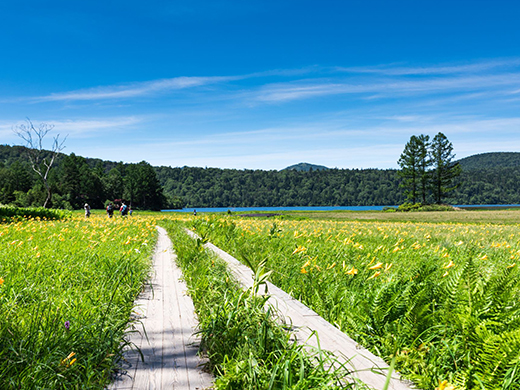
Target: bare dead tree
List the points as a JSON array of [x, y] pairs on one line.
[[40, 159]]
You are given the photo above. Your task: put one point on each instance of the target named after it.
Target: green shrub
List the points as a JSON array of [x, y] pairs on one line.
[[9, 213], [409, 207], [426, 207]]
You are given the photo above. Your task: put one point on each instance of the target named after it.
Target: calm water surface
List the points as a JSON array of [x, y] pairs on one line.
[[309, 208]]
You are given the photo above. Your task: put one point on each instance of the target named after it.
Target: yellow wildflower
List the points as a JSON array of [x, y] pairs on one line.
[[64, 361], [388, 266], [377, 266], [375, 275], [352, 272], [446, 274], [449, 265], [1, 281], [331, 266], [444, 385], [509, 266], [485, 257], [299, 249], [303, 270]]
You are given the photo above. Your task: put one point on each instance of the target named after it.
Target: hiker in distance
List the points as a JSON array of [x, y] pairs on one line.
[[110, 210], [124, 210], [87, 210]]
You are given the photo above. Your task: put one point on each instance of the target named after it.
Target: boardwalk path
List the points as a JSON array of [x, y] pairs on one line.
[[164, 334], [369, 368]]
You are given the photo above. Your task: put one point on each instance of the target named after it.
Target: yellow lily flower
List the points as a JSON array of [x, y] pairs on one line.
[[444, 385], [449, 265], [352, 272], [377, 266], [299, 249], [375, 275]]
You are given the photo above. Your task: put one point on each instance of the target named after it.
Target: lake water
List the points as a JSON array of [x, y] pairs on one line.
[[309, 208]]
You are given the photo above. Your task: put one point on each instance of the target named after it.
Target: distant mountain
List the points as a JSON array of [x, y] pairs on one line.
[[491, 160], [306, 167]]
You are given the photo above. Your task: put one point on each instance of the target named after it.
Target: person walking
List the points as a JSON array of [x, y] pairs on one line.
[[110, 210], [87, 210], [124, 210]]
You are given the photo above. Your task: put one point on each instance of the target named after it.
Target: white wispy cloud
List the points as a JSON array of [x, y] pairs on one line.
[[135, 89], [372, 81], [393, 70], [281, 92]]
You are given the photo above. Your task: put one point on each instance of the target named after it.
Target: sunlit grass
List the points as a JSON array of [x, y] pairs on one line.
[[246, 347], [440, 298], [66, 296]]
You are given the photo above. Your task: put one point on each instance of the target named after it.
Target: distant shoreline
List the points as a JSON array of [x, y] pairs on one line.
[[247, 210]]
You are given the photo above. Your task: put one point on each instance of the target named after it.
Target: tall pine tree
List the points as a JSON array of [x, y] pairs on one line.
[[444, 169], [414, 163]]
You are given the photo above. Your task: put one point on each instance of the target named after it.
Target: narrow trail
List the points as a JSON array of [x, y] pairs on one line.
[[163, 332], [368, 368]]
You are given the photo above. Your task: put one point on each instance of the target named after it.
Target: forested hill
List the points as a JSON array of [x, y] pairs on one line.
[[213, 187], [306, 167], [490, 178], [491, 160]]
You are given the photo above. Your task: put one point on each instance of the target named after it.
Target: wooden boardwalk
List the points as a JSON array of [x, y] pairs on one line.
[[163, 333], [368, 368]]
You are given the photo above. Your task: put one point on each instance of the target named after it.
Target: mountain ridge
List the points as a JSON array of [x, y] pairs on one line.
[[491, 160], [306, 167]]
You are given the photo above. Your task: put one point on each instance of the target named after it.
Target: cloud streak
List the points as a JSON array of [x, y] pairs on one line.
[[371, 82], [135, 89], [432, 70], [386, 88]]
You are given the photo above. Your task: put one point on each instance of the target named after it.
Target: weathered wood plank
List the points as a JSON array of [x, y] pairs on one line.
[[368, 368], [164, 334]]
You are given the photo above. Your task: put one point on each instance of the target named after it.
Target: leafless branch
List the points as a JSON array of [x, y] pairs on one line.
[[33, 138]]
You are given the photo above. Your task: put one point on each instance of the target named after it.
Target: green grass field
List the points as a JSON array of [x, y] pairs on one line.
[[66, 294], [437, 291], [442, 298], [509, 216]]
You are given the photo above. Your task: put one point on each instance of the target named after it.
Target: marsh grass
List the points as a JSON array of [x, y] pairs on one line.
[[66, 296], [14, 214], [440, 299], [499, 216], [246, 347]]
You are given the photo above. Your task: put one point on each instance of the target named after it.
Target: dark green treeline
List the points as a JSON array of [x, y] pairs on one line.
[[76, 180], [213, 187]]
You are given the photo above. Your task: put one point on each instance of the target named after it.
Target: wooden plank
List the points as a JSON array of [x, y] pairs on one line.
[[368, 368], [164, 334]]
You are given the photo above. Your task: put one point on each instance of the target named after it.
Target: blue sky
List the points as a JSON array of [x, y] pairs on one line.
[[262, 84]]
